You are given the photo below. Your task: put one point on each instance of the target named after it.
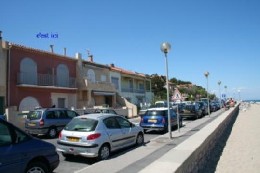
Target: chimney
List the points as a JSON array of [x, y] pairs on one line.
[[0, 35], [78, 55], [51, 46], [90, 58], [65, 51], [112, 65]]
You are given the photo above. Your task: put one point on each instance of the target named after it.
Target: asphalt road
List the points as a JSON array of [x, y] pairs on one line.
[[77, 163]]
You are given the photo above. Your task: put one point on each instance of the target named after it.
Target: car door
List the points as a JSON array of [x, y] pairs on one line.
[[11, 153], [61, 118], [114, 132], [129, 134], [173, 118]]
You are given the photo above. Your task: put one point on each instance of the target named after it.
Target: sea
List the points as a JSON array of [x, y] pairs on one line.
[[257, 100]]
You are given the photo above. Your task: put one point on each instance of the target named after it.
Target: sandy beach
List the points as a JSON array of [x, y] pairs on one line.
[[242, 150]]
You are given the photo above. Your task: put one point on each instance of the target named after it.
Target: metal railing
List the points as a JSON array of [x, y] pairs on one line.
[[45, 80], [132, 90]]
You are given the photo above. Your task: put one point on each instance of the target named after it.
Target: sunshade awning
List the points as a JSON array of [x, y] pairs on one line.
[[102, 93]]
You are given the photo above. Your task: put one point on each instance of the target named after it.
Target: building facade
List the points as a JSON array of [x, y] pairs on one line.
[[40, 79], [135, 87], [94, 85]]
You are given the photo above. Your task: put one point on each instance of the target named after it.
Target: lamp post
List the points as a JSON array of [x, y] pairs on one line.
[[225, 92], [239, 95], [207, 75], [165, 48], [219, 82]]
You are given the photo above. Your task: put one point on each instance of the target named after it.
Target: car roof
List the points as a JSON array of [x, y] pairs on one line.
[[97, 115], [158, 109], [44, 109], [104, 109]]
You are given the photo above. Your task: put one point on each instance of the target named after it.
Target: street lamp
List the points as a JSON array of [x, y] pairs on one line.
[[225, 91], [239, 95], [207, 75], [165, 48], [219, 82]]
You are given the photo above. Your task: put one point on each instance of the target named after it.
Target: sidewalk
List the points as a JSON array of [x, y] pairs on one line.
[[242, 150]]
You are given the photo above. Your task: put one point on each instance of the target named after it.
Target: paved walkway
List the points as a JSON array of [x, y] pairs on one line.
[[242, 150]]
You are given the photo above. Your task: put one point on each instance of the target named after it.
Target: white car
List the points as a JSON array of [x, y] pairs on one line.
[[97, 135]]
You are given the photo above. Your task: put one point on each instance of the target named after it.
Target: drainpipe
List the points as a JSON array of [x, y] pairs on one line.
[[8, 72]]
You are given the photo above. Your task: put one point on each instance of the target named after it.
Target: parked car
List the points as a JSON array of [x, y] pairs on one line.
[[214, 106], [48, 121], [107, 111], [159, 104], [192, 111], [157, 119], [3, 117], [97, 135], [22, 153], [203, 106]]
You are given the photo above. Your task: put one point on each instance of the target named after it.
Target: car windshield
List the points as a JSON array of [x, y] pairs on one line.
[[82, 124], [34, 115], [157, 112]]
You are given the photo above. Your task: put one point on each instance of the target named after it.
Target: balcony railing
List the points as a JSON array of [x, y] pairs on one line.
[[45, 80], [132, 90]]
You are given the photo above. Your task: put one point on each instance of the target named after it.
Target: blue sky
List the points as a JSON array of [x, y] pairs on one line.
[[219, 36]]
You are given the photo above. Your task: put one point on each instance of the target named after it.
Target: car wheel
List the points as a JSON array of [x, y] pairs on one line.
[[39, 167], [104, 152], [140, 139], [52, 133]]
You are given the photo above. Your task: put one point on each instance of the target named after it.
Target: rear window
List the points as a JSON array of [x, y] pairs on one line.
[[154, 113], [34, 115], [82, 124]]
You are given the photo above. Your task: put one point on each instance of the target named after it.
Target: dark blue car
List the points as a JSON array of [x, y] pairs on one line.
[[3, 117], [157, 119], [22, 153]]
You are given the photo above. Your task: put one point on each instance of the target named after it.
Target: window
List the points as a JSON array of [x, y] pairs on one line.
[[28, 72], [71, 114], [123, 123], [131, 84], [115, 80], [147, 85], [5, 136], [141, 86], [91, 75], [50, 115], [62, 75], [103, 78], [111, 123], [60, 114]]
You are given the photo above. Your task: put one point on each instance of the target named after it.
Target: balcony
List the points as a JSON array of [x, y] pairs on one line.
[[99, 85], [45, 80], [132, 90]]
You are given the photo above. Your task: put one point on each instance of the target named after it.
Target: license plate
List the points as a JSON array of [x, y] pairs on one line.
[[73, 139], [31, 124], [152, 121]]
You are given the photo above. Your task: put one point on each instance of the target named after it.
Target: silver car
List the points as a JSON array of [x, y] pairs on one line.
[[97, 135]]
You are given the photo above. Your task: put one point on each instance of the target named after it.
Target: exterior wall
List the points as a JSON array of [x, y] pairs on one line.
[[3, 65], [116, 75], [70, 99], [136, 95], [94, 78], [47, 63]]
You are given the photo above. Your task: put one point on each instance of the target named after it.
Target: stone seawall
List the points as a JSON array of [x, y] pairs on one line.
[[205, 156]]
